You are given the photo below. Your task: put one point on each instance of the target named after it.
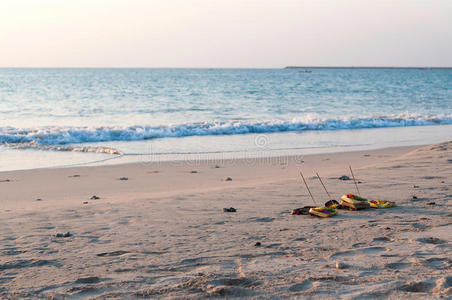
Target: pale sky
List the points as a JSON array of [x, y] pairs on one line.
[[225, 33]]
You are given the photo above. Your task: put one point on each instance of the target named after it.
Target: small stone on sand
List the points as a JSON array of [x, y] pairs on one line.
[[194, 172], [94, 197], [86, 202], [344, 177], [341, 265], [229, 179], [231, 209], [63, 235], [258, 244], [431, 203], [123, 178], [39, 199]]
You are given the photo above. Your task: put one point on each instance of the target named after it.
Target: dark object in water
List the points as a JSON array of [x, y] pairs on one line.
[[194, 172], [431, 203], [229, 179], [86, 202], [94, 197], [258, 244], [344, 177], [63, 235], [231, 209], [123, 178], [39, 199], [302, 210], [414, 197]]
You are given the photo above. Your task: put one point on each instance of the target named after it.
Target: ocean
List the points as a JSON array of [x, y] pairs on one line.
[[64, 117]]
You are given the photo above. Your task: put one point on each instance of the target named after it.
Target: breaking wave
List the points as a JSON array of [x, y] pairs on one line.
[[52, 138]]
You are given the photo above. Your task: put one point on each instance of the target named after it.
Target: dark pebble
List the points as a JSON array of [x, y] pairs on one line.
[[231, 209], [415, 186], [258, 244], [123, 178], [344, 177], [94, 197], [194, 172], [431, 203], [63, 235], [39, 199], [414, 197], [86, 202], [229, 179]]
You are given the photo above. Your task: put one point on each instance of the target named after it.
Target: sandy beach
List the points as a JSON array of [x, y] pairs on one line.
[[158, 230]]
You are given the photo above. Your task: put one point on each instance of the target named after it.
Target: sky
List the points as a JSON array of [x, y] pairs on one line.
[[225, 33]]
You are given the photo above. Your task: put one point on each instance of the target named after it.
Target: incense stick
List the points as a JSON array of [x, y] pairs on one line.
[[356, 185], [324, 187], [307, 187]]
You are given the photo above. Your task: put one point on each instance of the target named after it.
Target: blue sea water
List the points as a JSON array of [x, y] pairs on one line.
[[51, 117]]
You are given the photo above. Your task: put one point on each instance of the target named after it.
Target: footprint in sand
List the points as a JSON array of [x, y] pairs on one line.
[[381, 239], [114, 253], [92, 279], [397, 265], [80, 291], [305, 285], [352, 252], [266, 219], [439, 263], [431, 240], [417, 287]]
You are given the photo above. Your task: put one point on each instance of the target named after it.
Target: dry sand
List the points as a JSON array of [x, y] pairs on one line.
[[163, 232]]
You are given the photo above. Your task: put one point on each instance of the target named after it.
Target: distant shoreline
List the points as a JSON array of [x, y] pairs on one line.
[[363, 67]]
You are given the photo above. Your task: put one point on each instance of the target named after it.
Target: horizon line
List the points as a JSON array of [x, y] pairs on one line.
[[285, 67]]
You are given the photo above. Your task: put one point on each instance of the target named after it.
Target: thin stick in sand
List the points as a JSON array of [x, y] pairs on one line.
[[307, 187], [324, 187], [356, 185]]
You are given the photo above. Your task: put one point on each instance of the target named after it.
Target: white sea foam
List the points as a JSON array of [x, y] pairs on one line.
[[52, 138], [67, 148]]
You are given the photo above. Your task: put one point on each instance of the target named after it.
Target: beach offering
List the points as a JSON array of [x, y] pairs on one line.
[[354, 202], [381, 203], [323, 212], [302, 210], [332, 203]]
